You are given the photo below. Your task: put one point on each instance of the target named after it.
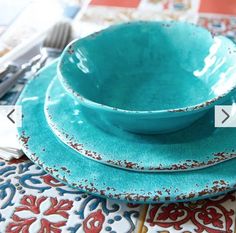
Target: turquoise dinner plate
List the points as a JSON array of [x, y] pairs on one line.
[[41, 145], [192, 148]]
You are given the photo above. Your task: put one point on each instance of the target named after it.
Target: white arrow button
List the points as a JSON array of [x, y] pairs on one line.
[[225, 116], [10, 116]]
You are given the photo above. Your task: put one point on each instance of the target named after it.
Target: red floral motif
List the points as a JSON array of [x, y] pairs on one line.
[[48, 179], [93, 223], [48, 227], [207, 215], [32, 205], [22, 225], [59, 208], [171, 211], [210, 216]]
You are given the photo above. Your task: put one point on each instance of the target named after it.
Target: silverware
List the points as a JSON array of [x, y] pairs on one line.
[[54, 43], [9, 68], [8, 83], [56, 40]]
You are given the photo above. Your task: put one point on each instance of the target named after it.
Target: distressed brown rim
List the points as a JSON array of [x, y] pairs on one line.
[[217, 187], [187, 165], [70, 49]]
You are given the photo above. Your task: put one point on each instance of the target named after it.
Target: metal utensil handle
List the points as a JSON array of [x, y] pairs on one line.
[[7, 84], [10, 68], [39, 64]]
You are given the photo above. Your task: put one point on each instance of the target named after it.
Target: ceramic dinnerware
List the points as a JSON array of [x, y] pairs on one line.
[[149, 77]]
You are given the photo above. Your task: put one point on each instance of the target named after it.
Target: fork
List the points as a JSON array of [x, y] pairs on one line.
[[56, 40], [53, 44]]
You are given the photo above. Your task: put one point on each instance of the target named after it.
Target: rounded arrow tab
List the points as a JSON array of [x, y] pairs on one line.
[[10, 116], [225, 116]]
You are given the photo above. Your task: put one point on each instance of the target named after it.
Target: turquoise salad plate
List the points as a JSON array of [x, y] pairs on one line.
[[149, 77], [42, 146], [194, 147]]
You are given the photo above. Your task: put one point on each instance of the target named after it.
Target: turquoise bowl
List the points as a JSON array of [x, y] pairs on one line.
[[148, 77]]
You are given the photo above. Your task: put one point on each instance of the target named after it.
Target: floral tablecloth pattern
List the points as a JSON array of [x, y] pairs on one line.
[[33, 201]]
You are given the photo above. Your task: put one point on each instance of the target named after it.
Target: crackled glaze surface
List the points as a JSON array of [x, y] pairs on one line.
[[192, 148], [41, 146], [139, 76]]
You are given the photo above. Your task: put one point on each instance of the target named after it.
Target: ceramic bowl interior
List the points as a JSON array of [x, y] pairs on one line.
[[149, 66]]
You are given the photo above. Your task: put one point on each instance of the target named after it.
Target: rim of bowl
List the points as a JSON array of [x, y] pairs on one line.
[[197, 107]]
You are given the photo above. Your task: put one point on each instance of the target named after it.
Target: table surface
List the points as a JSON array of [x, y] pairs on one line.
[[33, 201]]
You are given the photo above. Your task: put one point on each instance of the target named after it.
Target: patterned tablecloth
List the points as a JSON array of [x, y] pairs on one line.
[[33, 201]]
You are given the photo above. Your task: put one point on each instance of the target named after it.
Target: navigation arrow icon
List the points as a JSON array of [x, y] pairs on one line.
[[227, 116], [9, 116]]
